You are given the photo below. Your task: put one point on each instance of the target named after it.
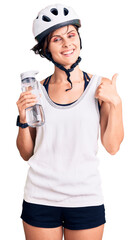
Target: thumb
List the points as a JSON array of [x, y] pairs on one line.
[[114, 79]]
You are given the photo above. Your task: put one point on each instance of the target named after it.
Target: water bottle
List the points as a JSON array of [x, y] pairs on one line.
[[34, 115]]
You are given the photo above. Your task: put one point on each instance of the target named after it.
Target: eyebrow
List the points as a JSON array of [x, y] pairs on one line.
[[63, 34]]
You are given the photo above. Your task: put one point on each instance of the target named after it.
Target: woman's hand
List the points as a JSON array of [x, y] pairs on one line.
[[107, 91], [26, 99]]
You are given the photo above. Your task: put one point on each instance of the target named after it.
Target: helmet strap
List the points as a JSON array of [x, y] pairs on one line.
[[67, 71]]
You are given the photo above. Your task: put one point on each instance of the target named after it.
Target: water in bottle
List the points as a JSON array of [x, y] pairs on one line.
[[34, 115]]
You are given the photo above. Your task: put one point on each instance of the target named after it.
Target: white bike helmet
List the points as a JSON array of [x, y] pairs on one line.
[[53, 17]]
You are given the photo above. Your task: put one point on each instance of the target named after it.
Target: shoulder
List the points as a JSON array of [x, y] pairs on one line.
[[46, 79], [103, 79], [42, 81]]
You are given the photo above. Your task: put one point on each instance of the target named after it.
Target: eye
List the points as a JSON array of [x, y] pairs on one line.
[[57, 39], [71, 35]]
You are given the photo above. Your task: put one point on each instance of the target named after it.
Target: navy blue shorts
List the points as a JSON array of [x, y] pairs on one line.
[[74, 218]]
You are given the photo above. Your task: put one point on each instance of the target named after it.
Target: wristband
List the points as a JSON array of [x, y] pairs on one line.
[[22, 125]]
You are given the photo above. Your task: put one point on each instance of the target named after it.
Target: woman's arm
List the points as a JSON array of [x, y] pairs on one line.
[[26, 136], [26, 141], [112, 131]]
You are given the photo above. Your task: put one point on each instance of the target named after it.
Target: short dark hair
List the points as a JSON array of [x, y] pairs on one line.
[[41, 47]]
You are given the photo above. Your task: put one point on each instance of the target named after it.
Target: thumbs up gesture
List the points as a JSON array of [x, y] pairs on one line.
[[107, 91]]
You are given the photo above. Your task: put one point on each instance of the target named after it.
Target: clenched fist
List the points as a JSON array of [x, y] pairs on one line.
[[107, 91], [26, 99]]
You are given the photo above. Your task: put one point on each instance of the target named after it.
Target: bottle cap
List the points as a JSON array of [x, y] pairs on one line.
[[28, 74]]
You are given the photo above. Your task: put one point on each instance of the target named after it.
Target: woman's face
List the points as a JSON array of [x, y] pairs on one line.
[[64, 45]]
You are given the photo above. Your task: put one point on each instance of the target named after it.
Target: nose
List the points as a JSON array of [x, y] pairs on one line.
[[66, 43]]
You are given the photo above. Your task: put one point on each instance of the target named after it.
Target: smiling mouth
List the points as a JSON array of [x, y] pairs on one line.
[[68, 53]]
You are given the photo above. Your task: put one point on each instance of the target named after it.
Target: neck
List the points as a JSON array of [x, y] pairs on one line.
[[60, 77]]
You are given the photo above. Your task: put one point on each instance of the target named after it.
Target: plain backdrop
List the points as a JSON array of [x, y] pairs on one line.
[[111, 44]]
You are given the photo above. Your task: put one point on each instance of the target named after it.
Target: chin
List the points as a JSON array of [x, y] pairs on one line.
[[66, 61]]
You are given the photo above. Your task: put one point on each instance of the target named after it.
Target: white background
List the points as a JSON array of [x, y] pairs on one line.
[[111, 44]]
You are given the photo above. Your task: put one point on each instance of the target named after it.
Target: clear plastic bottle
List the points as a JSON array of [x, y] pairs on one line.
[[34, 115]]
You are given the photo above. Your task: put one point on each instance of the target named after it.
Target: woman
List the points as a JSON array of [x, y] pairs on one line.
[[63, 187]]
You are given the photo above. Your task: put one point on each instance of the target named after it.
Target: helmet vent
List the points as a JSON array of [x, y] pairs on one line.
[[54, 11], [46, 19], [66, 11]]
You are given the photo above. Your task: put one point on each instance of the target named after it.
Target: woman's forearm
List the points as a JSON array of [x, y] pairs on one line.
[[25, 143], [114, 133]]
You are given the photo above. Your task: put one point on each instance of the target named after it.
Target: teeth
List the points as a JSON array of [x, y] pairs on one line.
[[68, 52]]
